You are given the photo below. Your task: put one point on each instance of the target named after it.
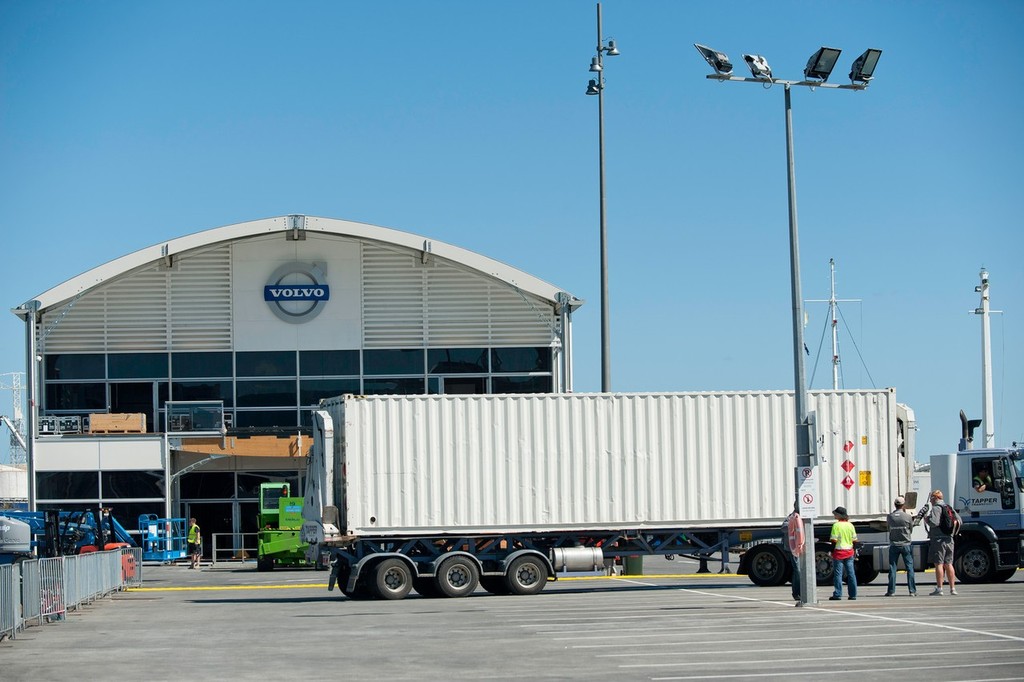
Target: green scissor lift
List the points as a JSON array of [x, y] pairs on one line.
[[280, 520]]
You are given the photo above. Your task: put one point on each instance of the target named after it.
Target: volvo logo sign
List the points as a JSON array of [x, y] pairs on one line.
[[297, 292]]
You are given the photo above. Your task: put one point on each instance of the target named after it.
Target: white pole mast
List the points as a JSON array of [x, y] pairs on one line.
[[835, 326], [988, 421]]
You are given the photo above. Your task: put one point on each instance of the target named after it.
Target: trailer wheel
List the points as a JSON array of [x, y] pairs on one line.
[[766, 566], [526, 575], [392, 579], [974, 564], [495, 584], [457, 576], [823, 564], [864, 569]]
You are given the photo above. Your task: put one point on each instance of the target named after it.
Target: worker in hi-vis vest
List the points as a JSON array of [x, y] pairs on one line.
[[195, 542]]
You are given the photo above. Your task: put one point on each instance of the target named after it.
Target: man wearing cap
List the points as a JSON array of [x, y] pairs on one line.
[[940, 550], [843, 539], [901, 524]]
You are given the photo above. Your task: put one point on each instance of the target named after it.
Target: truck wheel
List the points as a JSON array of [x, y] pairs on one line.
[[457, 576], [974, 564], [526, 575], [766, 567], [495, 584], [1003, 574], [264, 564], [864, 569], [392, 579], [823, 564]]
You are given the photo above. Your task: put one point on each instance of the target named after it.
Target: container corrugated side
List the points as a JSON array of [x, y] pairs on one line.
[[508, 463]]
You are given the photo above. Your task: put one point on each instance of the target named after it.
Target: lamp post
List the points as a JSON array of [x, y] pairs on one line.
[[596, 87], [819, 68]]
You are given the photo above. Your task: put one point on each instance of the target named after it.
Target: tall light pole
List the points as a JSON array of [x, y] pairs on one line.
[[987, 412], [596, 87], [819, 68]]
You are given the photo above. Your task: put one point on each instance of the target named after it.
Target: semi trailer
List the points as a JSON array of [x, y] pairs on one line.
[[442, 493]]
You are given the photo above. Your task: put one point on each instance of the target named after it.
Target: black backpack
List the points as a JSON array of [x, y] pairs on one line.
[[949, 520]]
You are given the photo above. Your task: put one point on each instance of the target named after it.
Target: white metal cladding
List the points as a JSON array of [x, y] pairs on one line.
[[409, 303], [184, 307], [573, 461]]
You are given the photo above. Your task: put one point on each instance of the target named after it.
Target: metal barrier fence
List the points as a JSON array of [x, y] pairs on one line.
[[44, 590], [233, 547]]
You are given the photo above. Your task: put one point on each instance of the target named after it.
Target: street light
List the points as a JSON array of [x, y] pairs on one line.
[[818, 69], [596, 87]]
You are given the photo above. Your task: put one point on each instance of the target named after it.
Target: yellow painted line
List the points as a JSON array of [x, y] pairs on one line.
[[197, 588]]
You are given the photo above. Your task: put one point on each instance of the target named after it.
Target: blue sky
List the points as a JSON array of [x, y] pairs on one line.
[[123, 124]]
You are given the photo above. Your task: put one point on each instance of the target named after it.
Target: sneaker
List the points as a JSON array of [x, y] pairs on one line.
[[889, 594], [835, 598], [913, 594], [851, 598], [952, 590], [937, 592]]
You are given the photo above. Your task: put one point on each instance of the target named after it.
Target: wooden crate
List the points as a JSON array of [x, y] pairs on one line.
[[117, 423]]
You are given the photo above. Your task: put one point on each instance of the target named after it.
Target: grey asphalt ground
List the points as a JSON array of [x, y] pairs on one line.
[[232, 623]]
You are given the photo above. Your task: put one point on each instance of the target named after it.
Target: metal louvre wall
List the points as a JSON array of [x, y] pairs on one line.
[[409, 303], [565, 461], [185, 307]]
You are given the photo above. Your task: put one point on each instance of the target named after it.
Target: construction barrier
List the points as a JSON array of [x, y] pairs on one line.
[[44, 590]]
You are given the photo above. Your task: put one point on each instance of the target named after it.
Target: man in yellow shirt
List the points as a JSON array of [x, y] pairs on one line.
[[843, 539], [195, 542]]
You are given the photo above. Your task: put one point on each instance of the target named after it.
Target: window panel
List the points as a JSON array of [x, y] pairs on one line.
[[67, 485], [318, 363], [199, 365], [207, 484], [457, 360], [204, 390], [272, 363], [81, 366], [249, 482], [312, 391], [266, 393], [376, 362], [83, 397], [266, 419], [122, 484], [521, 359], [392, 386], [534, 384], [137, 365]]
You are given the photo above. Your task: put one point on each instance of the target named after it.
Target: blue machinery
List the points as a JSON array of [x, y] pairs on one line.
[[162, 540]]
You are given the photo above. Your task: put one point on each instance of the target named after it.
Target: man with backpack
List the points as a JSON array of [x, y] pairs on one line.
[[943, 524]]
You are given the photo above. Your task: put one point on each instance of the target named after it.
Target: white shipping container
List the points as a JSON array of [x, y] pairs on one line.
[[519, 463]]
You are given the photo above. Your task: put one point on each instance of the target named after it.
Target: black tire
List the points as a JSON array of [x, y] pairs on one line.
[[766, 566], [1003, 574], [864, 569], [527, 574], [457, 576], [974, 564], [823, 564], [495, 584], [264, 564], [392, 579]]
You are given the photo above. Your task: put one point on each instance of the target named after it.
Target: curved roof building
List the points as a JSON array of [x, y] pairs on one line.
[[264, 319]]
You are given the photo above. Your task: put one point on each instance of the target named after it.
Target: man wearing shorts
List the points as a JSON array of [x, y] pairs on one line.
[[940, 551]]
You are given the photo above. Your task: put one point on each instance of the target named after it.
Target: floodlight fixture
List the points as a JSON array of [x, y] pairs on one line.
[[758, 66], [611, 50], [863, 68], [595, 66], [593, 88], [719, 61], [821, 63]]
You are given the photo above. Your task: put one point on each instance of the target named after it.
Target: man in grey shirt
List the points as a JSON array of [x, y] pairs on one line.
[[900, 526]]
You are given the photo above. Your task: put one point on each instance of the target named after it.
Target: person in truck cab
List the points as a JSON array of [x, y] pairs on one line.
[[983, 481]]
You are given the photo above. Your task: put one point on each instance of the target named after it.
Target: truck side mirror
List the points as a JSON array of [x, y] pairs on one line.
[[911, 500]]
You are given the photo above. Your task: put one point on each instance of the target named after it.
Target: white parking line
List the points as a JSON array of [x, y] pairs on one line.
[[831, 671]]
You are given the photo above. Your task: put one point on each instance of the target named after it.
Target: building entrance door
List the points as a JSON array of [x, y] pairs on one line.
[[213, 517]]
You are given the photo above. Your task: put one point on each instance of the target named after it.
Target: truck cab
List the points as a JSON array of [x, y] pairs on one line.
[[988, 492]]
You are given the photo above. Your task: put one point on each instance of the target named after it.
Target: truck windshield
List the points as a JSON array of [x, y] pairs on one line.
[[1018, 465]]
